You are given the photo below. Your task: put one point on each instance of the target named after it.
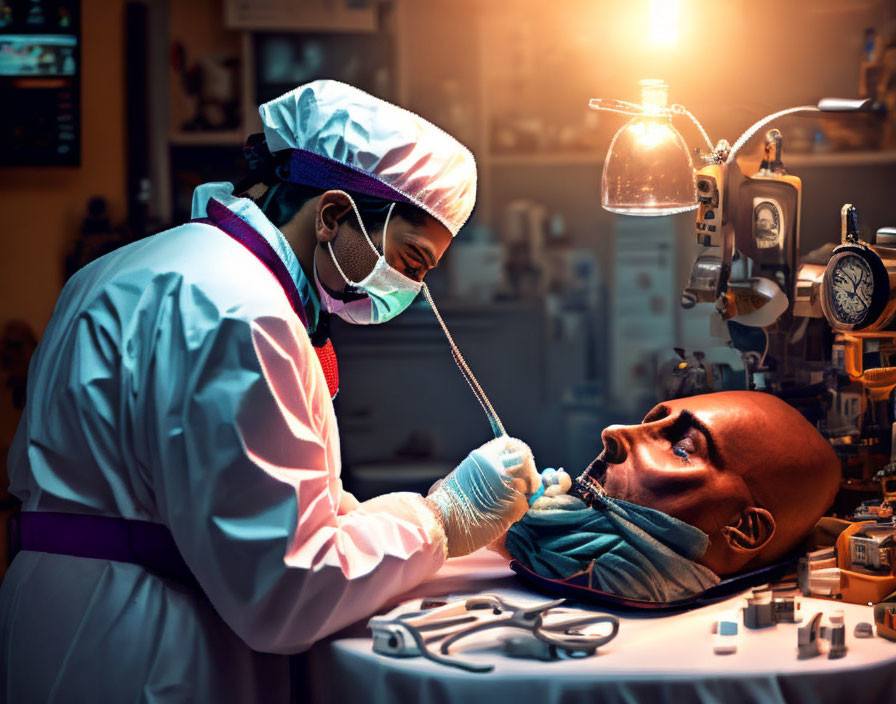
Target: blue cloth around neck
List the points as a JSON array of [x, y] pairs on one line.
[[628, 550]]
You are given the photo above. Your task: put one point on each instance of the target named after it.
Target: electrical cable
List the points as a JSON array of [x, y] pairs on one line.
[[745, 137], [682, 110], [765, 351]]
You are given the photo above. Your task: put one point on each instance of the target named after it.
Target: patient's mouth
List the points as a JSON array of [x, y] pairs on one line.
[[597, 470], [588, 484]]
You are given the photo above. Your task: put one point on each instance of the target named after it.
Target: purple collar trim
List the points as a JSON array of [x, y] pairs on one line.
[[224, 219]]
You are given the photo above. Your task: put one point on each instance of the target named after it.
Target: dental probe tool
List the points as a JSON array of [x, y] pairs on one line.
[[493, 419]]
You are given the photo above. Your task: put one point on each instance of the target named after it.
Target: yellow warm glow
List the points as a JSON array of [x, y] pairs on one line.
[[650, 133], [663, 27], [654, 94]]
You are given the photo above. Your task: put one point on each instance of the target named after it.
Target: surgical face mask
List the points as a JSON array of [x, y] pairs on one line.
[[387, 291]]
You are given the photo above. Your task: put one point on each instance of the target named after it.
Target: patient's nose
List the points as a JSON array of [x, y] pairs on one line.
[[614, 445]]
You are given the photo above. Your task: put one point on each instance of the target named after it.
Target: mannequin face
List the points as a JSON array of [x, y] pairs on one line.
[[744, 467]]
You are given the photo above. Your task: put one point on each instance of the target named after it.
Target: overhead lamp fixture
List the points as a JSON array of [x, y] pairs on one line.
[[648, 169]]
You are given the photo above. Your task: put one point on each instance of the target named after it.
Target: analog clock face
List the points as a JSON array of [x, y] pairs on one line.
[[851, 288]]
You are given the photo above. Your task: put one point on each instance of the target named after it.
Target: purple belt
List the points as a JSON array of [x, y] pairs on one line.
[[149, 545]]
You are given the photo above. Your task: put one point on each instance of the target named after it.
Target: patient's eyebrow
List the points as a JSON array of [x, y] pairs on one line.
[[683, 421], [686, 419], [658, 413]]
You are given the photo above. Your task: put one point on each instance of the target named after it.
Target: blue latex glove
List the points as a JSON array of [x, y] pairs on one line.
[[485, 494]]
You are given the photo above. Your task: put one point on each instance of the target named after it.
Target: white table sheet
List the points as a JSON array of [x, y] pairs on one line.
[[653, 659]]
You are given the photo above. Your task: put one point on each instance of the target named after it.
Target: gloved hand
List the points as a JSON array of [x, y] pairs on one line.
[[485, 494], [553, 485]]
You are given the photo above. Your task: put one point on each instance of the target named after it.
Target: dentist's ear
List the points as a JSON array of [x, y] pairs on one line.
[[332, 208]]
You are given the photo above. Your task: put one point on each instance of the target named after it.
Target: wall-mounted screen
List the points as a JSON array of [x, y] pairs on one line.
[[40, 82]]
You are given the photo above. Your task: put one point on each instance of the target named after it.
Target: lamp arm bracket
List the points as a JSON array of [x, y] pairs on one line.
[[622, 107]]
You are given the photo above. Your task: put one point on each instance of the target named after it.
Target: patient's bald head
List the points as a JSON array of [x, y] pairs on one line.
[[744, 467]]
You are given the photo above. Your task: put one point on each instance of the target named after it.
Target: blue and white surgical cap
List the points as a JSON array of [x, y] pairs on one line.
[[342, 137]]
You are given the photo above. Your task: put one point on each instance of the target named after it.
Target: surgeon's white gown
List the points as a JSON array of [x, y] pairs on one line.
[[175, 384]]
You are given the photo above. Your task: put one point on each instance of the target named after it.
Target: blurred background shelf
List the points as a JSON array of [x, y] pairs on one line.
[[856, 158]]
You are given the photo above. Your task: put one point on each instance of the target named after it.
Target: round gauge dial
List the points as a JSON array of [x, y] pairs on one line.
[[852, 289]]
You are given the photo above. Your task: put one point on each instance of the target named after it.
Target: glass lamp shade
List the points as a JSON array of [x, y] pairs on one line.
[[648, 169]]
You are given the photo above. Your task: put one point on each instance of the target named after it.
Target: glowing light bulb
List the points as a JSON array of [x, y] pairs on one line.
[[649, 134], [648, 169]]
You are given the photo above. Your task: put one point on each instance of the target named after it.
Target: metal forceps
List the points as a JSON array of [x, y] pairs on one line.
[[414, 633]]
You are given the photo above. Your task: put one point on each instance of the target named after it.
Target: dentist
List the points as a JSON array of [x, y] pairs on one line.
[[184, 526]]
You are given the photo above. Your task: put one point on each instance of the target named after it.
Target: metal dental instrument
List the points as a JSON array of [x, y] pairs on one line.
[[560, 630], [564, 635], [490, 413]]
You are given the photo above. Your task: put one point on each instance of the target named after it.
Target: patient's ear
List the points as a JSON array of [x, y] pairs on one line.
[[751, 532]]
